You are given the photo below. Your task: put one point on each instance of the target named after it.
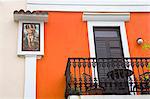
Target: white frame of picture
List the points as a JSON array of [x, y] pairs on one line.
[[41, 39]]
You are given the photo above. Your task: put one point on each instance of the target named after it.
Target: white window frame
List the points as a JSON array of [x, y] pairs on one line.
[[29, 53], [124, 41], [90, 5], [106, 20]]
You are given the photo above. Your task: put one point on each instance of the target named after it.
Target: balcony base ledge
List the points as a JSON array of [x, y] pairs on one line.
[[109, 97]]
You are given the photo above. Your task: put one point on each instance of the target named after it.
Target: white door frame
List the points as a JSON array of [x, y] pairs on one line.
[[106, 20], [124, 41], [92, 24]]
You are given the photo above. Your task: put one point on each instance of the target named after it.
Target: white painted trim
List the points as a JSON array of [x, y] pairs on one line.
[[105, 23], [30, 77], [91, 24], [90, 5], [124, 40], [106, 16], [74, 97], [110, 97], [20, 52], [123, 34], [91, 39], [30, 17], [92, 47]]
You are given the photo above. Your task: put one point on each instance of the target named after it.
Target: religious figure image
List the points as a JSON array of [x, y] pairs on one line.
[[31, 37]]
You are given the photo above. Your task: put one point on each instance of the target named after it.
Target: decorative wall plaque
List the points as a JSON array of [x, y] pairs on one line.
[[31, 32]]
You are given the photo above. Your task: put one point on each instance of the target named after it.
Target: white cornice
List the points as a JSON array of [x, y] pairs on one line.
[[106, 16], [90, 5], [23, 17], [90, 2]]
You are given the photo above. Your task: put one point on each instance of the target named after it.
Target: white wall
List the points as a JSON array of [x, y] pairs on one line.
[[11, 66]]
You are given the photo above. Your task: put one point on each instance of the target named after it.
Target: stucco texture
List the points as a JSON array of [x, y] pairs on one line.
[[11, 66], [138, 27], [66, 36]]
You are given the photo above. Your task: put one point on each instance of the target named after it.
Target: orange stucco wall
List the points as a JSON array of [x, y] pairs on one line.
[[138, 26], [66, 36]]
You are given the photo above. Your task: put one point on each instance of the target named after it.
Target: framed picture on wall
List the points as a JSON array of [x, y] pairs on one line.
[[30, 36]]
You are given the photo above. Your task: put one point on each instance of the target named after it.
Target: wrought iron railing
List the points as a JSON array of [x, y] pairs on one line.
[[86, 76]]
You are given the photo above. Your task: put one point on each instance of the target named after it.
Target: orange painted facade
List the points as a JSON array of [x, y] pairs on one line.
[[138, 26], [66, 36]]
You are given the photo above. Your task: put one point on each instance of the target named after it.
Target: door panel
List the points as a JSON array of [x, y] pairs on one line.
[[108, 45], [105, 33], [114, 43]]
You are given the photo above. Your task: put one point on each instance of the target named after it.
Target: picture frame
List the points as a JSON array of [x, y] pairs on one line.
[[31, 38]]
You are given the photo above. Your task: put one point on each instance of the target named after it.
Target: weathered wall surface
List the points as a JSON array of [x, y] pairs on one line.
[[11, 66]]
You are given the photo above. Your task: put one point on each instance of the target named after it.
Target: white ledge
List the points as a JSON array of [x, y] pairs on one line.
[[106, 16], [24, 17], [90, 5], [109, 97], [91, 2]]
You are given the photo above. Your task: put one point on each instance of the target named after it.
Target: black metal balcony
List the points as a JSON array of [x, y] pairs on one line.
[[107, 76]]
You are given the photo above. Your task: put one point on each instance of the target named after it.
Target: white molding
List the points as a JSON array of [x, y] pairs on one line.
[[92, 48], [110, 97], [91, 39], [90, 5], [30, 77], [30, 17], [91, 24], [105, 23], [124, 39], [20, 52], [106, 16], [74, 97]]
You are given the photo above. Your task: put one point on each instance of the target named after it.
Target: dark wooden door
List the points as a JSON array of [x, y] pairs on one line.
[[108, 47]]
